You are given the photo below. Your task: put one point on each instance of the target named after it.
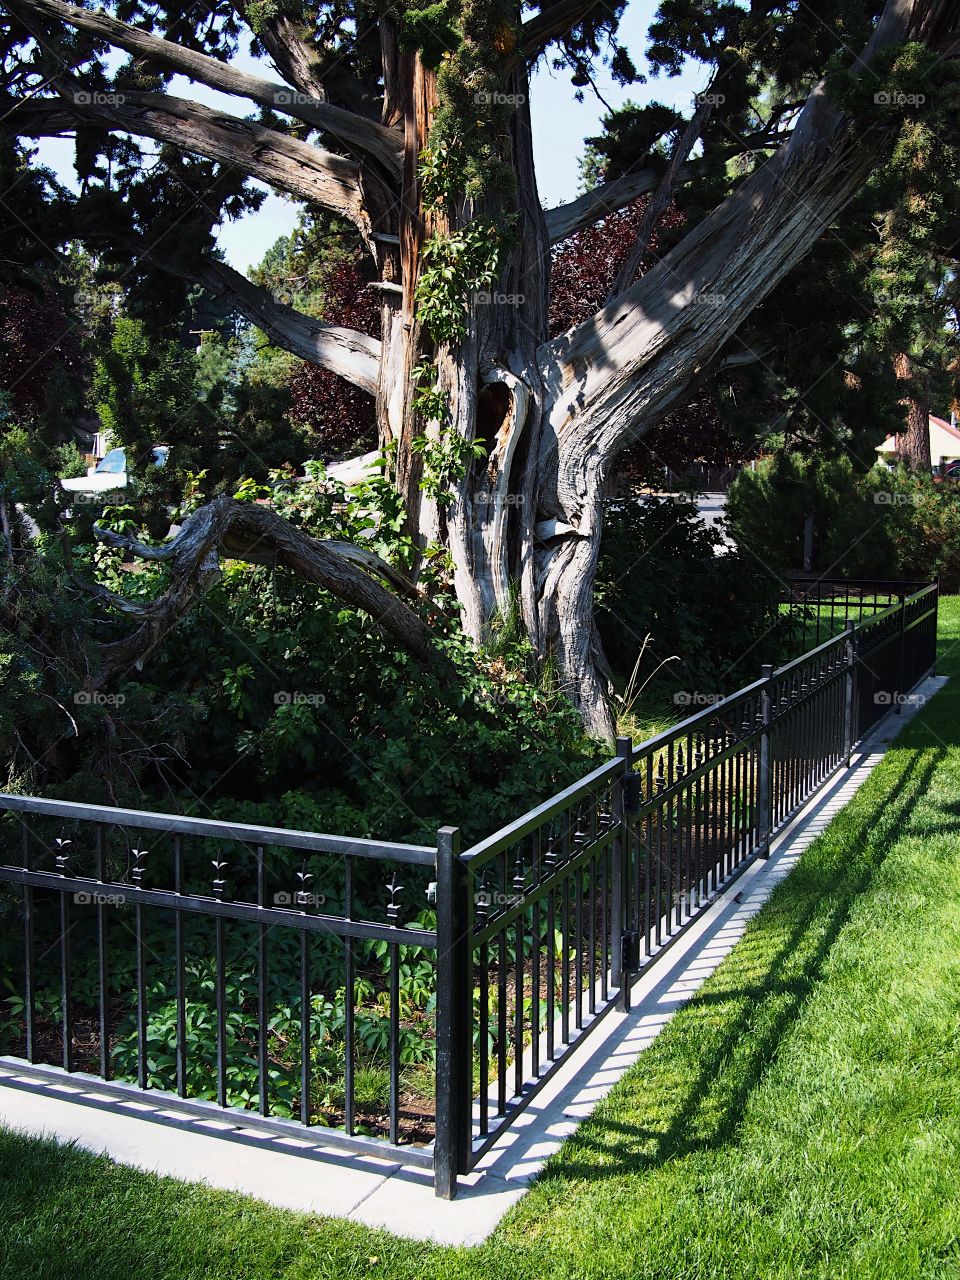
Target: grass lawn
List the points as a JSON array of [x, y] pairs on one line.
[[800, 1117]]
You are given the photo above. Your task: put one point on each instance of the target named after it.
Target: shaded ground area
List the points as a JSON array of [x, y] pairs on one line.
[[800, 1117]]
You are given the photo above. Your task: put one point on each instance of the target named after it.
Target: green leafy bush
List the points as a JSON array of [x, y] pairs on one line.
[[881, 523], [304, 713], [664, 574]]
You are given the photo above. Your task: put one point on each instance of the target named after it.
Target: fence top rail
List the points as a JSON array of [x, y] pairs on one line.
[[690, 725], [834, 642], [865, 624], [514, 831], [522, 826], [883, 586], [508, 835], [246, 833]]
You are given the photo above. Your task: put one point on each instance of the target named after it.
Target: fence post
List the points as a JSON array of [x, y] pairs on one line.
[[902, 657], [454, 1017], [620, 877], [936, 614], [849, 681], [764, 797]]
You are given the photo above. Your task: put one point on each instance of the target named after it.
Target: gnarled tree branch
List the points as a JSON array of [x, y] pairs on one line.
[[347, 352], [292, 55], [258, 535], [361, 136], [624, 368], [323, 75], [566, 219], [597, 203], [661, 197], [283, 162], [554, 22]]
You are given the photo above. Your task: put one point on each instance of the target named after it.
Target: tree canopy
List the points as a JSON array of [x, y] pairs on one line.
[[780, 255]]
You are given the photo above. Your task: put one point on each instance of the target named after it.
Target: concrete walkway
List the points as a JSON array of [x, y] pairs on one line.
[[300, 1176]]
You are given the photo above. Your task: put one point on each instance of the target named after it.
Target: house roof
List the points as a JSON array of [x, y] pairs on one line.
[[944, 440]]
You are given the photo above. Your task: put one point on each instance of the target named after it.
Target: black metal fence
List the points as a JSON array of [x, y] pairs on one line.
[[821, 607], [239, 969], [373, 995]]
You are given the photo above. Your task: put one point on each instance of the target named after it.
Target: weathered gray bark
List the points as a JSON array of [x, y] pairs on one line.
[[553, 415], [286, 163], [566, 219], [258, 535], [343, 127], [613, 377]]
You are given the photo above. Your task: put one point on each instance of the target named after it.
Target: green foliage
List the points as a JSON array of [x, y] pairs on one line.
[[298, 268], [446, 458], [22, 475], [68, 461], [228, 682], [141, 386], [879, 524], [468, 43], [430, 401], [276, 690], [217, 369], [665, 575], [455, 265], [431, 28]]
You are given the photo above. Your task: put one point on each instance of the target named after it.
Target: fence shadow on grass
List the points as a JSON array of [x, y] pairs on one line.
[[766, 994]]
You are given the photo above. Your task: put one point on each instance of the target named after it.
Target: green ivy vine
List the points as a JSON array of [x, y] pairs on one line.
[[462, 262]]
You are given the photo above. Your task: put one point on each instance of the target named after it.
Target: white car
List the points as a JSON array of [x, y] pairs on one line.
[[110, 472]]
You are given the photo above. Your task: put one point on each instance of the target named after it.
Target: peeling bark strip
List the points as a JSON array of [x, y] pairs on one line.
[[258, 535], [914, 444]]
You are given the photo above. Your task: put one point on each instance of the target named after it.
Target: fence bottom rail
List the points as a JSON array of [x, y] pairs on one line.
[[310, 960]]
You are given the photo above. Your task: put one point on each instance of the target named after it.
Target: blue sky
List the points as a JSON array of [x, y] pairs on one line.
[[560, 125]]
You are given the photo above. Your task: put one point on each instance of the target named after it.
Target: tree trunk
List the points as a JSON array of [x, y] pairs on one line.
[[522, 524], [914, 444]]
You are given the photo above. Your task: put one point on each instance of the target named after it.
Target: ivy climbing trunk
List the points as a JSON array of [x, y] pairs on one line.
[[502, 437]]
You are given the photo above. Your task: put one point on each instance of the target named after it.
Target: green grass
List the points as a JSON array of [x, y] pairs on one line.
[[800, 1117]]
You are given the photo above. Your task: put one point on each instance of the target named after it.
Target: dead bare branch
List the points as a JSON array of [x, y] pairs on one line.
[[355, 133]]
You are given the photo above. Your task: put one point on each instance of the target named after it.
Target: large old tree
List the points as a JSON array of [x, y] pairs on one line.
[[413, 122]]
